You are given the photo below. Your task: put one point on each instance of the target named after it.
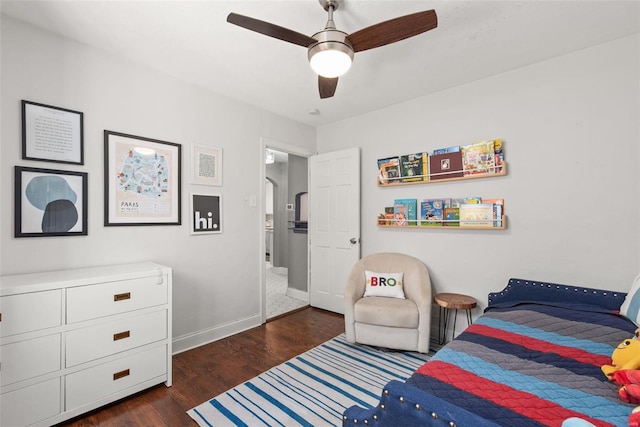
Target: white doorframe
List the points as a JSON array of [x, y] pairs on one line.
[[285, 148]]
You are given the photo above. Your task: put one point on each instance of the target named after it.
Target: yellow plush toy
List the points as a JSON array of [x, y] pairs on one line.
[[626, 356]]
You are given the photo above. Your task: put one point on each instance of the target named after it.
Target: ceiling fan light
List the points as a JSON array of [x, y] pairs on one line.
[[330, 59]]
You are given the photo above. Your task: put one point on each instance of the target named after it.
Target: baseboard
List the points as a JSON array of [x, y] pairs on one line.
[[206, 336], [298, 294]]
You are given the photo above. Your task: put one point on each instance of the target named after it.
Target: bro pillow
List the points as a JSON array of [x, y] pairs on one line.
[[383, 284]]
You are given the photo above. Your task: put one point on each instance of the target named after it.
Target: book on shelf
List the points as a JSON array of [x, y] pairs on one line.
[[498, 210], [388, 170], [414, 167], [451, 217], [453, 149], [476, 214], [431, 213], [499, 154], [456, 202], [479, 158], [445, 165], [405, 211], [388, 215]]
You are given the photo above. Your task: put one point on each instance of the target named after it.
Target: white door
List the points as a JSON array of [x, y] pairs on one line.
[[334, 225]]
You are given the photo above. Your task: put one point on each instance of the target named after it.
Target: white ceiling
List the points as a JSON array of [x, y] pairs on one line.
[[191, 40]]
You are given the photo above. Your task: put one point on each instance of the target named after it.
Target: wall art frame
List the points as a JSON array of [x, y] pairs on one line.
[[52, 134], [206, 165], [206, 214], [50, 202], [142, 180]]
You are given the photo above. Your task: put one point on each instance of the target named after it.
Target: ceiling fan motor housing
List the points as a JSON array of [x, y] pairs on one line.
[[334, 41], [331, 39]]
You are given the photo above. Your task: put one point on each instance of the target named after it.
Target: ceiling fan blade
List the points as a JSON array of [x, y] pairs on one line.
[[327, 86], [271, 30], [393, 30]]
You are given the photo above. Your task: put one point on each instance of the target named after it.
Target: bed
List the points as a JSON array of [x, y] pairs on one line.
[[532, 359]]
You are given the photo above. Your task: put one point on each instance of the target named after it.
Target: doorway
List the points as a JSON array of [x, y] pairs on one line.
[[285, 258]]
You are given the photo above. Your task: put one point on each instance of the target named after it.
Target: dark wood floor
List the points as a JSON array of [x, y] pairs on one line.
[[209, 370]]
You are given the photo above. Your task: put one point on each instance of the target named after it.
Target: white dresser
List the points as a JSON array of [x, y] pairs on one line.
[[74, 340]]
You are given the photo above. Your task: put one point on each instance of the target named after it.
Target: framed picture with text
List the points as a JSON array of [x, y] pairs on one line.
[[206, 165], [206, 214], [50, 202], [52, 134], [142, 179]]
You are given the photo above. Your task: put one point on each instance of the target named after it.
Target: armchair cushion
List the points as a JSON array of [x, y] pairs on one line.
[[383, 284], [392, 312]]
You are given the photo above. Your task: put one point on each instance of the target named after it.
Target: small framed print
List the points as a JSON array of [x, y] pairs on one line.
[[206, 165], [50, 202], [206, 214], [141, 180], [52, 134]]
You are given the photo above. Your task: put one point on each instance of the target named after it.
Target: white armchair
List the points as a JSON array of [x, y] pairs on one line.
[[402, 324]]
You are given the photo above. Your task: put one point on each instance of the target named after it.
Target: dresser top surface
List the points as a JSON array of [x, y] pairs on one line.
[[34, 282]]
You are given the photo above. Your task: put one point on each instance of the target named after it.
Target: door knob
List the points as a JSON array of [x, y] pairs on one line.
[[353, 240]]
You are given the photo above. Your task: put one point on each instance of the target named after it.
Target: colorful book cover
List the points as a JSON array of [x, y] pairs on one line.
[[498, 210], [388, 215], [497, 215], [447, 165], [454, 149], [414, 167], [405, 211], [455, 203], [446, 202], [476, 214], [451, 217], [388, 170], [431, 213], [499, 154], [479, 158]]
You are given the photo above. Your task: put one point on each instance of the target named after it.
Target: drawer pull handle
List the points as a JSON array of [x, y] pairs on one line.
[[122, 297], [121, 374], [121, 335]]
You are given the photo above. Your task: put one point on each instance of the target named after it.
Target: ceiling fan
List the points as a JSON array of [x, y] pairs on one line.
[[330, 51]]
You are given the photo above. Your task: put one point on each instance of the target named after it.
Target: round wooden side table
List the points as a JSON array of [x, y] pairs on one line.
[[448, 302]]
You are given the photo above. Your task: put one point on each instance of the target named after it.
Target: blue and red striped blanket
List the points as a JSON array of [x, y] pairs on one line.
[[532, 365]]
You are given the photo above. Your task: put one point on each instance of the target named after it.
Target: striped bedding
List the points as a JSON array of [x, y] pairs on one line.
[[532, 364]]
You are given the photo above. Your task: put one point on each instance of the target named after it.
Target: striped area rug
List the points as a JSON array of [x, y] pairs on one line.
[[312, 389]]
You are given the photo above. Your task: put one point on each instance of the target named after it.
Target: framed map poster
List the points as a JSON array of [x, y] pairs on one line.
[[206, 165], [142, 180]]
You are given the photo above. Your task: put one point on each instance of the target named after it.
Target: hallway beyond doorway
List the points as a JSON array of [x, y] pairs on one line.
[[278, 302]]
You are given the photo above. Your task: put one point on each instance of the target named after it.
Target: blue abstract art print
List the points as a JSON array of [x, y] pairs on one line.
[[50, 202]]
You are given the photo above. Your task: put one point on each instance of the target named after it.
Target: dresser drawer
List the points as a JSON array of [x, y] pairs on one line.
[[91, 384], [31, 404], [106, 299], [27, 359], [30, 312], [102, 340]]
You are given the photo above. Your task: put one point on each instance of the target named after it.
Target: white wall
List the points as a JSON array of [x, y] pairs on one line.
[[571, 132], [216, 277]]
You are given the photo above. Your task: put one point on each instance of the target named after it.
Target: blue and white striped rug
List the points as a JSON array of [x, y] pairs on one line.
[[312, 389]]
